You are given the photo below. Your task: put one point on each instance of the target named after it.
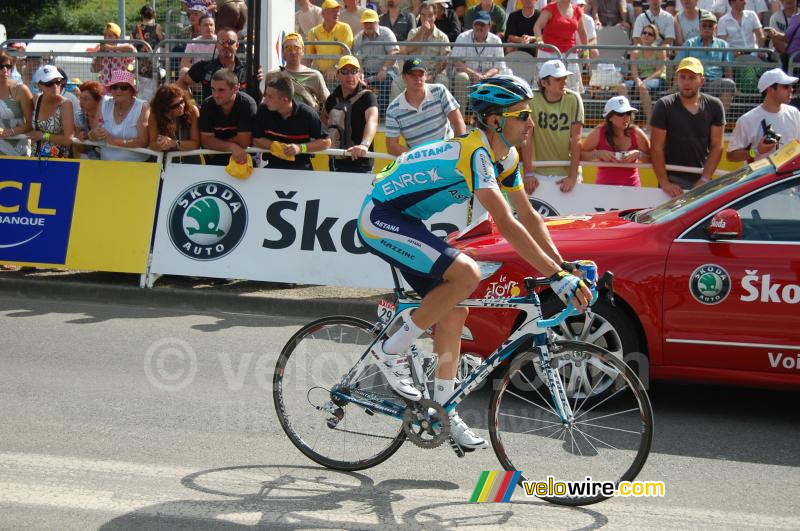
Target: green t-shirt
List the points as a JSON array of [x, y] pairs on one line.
[[551, 128]]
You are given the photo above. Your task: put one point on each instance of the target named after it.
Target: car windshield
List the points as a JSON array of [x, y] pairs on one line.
[[693, 198]]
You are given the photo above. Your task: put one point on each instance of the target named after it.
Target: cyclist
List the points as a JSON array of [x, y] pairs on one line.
[[427, 180]]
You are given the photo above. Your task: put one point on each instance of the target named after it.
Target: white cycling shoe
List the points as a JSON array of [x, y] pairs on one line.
[[464, 436], [397, 372]]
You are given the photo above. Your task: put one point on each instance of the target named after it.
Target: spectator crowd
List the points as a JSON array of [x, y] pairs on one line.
[[410, 64]]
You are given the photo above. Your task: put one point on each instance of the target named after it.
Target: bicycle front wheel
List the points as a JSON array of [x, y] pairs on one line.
[[608, 438], [310, 366]]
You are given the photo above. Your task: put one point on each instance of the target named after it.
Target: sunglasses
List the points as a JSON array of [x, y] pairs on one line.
[[615, 113], [229, 42], [177, 105], [52, 83], [648, 33], [120, 86], [707, 25], [519, 115], [349, 71], [6, 67]]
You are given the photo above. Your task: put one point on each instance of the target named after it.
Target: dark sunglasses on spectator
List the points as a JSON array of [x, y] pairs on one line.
[[229, 42], [707, 25], [120, 86], [7, 67], [348, 71], [615, 113], [650, 33], [174, 106], [51, 83]]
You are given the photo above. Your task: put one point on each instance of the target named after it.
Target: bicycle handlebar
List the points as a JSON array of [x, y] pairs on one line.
[[606, 281]]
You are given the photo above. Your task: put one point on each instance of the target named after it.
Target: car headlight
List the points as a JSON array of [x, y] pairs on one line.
[[488, 269]]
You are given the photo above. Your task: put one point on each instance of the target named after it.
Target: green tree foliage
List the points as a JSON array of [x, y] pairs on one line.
[[26, 18]]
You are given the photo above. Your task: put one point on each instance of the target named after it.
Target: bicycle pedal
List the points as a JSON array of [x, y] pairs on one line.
[[460, 452]]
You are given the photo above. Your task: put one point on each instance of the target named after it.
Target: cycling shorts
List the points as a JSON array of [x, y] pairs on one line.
[[406, 243]]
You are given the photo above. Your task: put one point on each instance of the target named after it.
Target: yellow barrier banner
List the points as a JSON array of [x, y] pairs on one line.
[[89, 215]]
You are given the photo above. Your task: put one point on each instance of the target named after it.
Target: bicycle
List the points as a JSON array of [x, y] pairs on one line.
[[338, 410]]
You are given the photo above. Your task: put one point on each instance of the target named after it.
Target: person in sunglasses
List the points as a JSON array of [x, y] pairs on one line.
[[16, 108], [429, 179], [648, 70], [122, 122], [174, 123], [202, 71], [617, 139], [52, 117]]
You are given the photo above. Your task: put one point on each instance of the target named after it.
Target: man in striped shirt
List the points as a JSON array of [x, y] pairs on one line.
[[423, 112]]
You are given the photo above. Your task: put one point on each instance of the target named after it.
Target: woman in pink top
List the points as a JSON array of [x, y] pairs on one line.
[[617, 140], [557, 26]]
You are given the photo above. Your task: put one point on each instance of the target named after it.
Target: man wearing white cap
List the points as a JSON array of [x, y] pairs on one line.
[[750, 140], [557, 127]]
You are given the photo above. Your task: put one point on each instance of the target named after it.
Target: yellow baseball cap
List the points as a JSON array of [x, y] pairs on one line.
[[115, 29], [692, 64], [347, 60], [369, 15], [293, 37], [330, 4]]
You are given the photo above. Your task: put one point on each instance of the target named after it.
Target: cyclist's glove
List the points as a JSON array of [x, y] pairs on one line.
[[565, 285]]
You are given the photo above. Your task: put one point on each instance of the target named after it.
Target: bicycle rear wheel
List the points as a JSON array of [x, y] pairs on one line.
[[608, 439], [312, 364]]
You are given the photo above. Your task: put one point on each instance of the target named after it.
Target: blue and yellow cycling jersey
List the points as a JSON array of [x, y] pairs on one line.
[[431, 177]]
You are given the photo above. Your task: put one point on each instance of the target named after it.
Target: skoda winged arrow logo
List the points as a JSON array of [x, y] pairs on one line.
[[207, 221], [710, 284]]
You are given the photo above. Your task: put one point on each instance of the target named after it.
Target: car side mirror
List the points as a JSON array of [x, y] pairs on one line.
[[725, 225]]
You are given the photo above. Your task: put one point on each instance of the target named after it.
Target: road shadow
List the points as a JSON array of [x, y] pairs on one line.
[[310, 497]]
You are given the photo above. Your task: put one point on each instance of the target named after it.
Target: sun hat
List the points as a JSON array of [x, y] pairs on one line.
[[46, 73], [347, 60], [692, 64], [121, 76], [369, 16], [553, 68], [618, 104], [114, 29], [774, 76]]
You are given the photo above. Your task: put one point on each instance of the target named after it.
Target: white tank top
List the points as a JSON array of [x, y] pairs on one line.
[[125, 129]]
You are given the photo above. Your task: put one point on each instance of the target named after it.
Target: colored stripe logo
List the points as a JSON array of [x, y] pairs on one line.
[[495, 487]]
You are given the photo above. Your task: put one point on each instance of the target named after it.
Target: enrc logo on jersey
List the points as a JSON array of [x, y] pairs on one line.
[[207, 221], [710, 284]]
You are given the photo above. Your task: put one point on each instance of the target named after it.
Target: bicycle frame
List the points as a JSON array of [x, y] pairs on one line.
[[533, 328]]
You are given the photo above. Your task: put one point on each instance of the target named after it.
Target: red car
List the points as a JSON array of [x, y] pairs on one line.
[[707, 285]]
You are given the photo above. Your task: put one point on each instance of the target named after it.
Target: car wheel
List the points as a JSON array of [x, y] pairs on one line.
[[606, 326]]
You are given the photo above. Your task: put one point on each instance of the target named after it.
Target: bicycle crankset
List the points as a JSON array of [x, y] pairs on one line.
[[426, 423]]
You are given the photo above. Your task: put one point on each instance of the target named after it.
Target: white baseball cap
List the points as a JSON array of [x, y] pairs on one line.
[[553, 68], [771, 77], [618, 104]]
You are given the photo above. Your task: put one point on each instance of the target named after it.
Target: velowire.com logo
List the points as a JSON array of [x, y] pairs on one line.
[[207, 221]]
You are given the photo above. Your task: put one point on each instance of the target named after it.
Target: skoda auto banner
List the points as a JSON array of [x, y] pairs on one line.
[[278, 225], [93, 215]]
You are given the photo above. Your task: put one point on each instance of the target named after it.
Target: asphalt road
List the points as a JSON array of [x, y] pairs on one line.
[[96, 432]]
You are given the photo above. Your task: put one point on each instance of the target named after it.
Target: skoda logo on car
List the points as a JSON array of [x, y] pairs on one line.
[[710, 284]]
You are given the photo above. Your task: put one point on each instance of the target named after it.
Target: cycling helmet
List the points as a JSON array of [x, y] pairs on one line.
[[499, 91]]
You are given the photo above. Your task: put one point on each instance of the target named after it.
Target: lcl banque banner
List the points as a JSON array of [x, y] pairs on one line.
[[276, 226]]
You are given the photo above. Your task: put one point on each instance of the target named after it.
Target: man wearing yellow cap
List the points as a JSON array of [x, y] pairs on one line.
[[376, 47], [309, 85], [360, 121], [686, 130], [330, 30]]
